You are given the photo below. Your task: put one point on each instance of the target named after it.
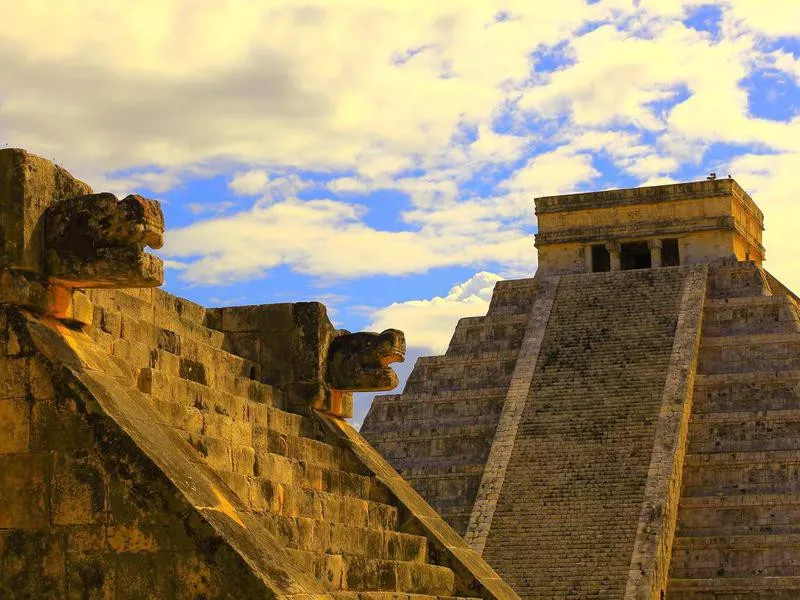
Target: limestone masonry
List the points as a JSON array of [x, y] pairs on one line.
[[152, 448], [625, 424]]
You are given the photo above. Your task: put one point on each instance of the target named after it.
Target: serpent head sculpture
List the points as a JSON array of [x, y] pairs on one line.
[[360, 361]]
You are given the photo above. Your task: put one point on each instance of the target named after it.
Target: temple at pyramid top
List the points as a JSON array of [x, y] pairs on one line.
[[663, 225]]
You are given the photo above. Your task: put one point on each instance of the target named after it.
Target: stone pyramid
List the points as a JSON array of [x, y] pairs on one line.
[[151, 448], [626, 423]]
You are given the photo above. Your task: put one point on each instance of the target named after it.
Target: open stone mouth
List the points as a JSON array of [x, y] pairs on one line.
[[396, 355]]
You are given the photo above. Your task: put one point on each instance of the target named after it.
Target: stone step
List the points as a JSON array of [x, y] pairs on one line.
[[169, 332], [287, 423], [357, 573], [453, 468], [732, 556], [206, 364], [299, 533], [495, 345], [109, 311], [269, 496], [499, 333], [200, 424], [755, 391], [513, 297], [757, 314], [739, 514], [146, 301], [137, 303], [447, 491], [391, 596], [224, 374], [455, 426], [744, 353], [438, 449], [410, 467], [742, 472], [471, 382], [192, 348], [743, 279], [396, 413], [491, 320], [258, 398], [745, 431], [287, 471], [477, 359], [734, 588], [456, 517], [307, 450]]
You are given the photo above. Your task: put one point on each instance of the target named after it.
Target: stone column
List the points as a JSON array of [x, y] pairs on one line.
[[587, 255], [655, 253], [614, 250]]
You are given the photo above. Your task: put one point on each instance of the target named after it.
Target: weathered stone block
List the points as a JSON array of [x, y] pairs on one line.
[[145, 575], [58, 427], [40, 381], [14, 426], [13, 377], [25, 491], [28, 185], [33, 564], [79, 490], [133, 538], [91, 576]]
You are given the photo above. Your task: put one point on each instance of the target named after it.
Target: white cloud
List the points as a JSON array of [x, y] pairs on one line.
[[216, 208], [496, 147], [157, 181], [429, 324], [770, 179], [658, 180], [779, 18], [328, 239], [651, 165], [249, 183], [382, 92], [311, 86], [553, 172]]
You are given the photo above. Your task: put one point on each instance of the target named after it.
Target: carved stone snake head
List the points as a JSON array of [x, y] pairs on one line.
[[96, 240], [360, 361]]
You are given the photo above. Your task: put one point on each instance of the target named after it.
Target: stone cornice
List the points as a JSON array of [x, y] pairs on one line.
[[646, 195]]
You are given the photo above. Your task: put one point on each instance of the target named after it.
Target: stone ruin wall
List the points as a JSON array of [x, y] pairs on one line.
[[152, 447], [83, 515]]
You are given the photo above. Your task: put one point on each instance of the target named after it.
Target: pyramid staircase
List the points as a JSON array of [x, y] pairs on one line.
[[738, 527], [329, 512], [452, 403]]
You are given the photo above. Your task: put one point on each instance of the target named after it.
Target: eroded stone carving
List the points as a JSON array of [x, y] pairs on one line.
[[298, 349], [98, 241], [360, 361]]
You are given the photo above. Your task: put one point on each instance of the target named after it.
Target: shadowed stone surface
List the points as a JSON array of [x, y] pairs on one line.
[[28, 185], [98, 241], [150, 448]]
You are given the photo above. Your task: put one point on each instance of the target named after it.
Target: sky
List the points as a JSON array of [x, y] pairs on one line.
[[382, 156]]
